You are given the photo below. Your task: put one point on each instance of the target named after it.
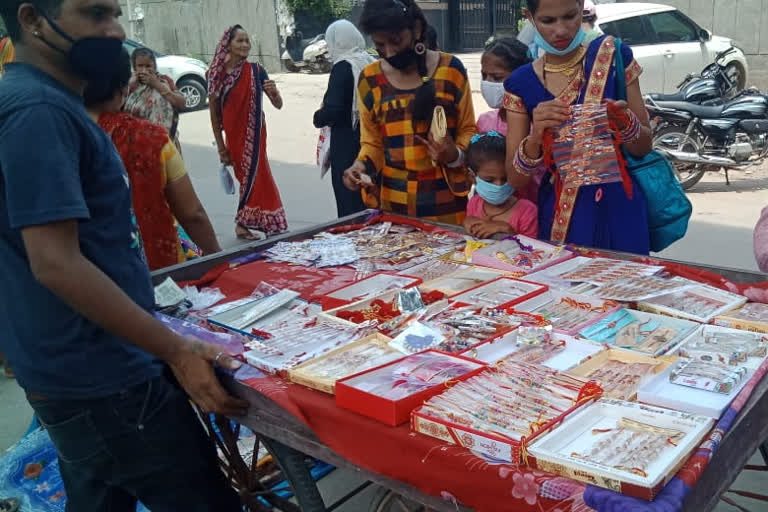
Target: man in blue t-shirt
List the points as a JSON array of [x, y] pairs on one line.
[[76, 294]]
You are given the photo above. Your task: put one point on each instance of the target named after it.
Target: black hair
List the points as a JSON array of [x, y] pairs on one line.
[[9, 11], [533, 5], [430, 38], [485, 148], [392, 16], [235, 28], [510, 50], [143, 52], [103, 89]]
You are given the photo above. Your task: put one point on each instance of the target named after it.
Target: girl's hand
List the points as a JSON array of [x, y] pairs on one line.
[[355, 178], [154, 81], [486, 229], [547, 115], [443, 152]]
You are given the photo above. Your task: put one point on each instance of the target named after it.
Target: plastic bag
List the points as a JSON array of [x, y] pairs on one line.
[[324, 151], [227, 181]]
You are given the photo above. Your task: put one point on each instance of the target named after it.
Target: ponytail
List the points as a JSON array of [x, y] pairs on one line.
[[424, 102]]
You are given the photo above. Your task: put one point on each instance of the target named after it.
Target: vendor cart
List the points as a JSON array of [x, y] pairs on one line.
[[286, 435]]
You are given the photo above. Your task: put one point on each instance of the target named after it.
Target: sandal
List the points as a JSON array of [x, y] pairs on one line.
[[244, 233], [10, 505]]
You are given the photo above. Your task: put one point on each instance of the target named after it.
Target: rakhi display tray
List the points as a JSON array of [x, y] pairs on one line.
[[330, 317], [500, 293], [691, 349], [304, 376], [368, 288], [498, 447], [568, 313], [700, 304], [462, 280], [551, 275], [396, 412], [601, 359], [751, 317], [534, 255], [557, 452], [575, 351], [663, 393], [608, 329]]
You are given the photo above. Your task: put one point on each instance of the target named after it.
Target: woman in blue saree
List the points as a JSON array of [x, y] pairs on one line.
[[607, 215]]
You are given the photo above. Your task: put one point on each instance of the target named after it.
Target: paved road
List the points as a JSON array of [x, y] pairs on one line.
[[720, 232]]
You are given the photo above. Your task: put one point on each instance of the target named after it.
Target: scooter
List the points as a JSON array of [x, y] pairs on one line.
[[306, 54], [700, 138], [712, 86]]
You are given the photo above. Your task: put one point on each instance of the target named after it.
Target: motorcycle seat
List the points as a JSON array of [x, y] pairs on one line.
[[677, 96], [700, 111]]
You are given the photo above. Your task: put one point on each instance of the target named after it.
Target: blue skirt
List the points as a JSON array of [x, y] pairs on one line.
[[603, 217]]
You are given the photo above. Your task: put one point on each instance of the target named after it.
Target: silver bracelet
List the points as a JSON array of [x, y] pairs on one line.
[[459, 161]]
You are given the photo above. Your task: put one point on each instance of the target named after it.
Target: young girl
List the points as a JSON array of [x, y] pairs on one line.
[[494, 209], [500, 59]]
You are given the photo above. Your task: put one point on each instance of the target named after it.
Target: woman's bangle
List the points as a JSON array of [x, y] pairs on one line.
[[524, 164], [631, 132]]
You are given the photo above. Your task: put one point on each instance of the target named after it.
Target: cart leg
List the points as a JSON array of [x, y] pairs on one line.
[[764, 452]]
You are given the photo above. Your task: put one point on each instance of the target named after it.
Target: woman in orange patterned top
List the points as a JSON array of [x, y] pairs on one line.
[[609, 214], [401, 168]]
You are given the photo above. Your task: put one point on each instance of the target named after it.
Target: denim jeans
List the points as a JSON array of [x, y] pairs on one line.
[[144, 443]]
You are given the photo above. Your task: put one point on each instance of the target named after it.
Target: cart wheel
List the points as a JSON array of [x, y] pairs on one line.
[[294, 466], [386, 500]]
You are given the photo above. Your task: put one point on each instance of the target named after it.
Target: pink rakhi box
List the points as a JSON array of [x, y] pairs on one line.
[[510, 256]]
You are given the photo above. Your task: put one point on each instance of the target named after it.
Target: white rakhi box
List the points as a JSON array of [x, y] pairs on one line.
[[693, 348], [558, 451], [700, 304], [663, 393]]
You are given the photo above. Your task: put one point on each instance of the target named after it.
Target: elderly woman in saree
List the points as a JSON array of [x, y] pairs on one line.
[[236, 90]]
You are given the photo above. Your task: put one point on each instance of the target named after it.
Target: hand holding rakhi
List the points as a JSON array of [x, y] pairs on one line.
[[355, 178], [625, 120], [547, 115], [443, 151]]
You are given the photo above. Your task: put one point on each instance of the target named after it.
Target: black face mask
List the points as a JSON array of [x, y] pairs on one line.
[[90, 58], [403, 60]]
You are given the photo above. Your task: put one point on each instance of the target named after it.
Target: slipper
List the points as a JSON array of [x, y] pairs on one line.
[[250, 235], [10, 505]]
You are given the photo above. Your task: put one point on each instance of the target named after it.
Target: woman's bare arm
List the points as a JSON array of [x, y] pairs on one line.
[[186, 207], [642, 145], [518, 128]]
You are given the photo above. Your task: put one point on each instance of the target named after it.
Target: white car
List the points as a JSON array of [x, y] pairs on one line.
[[668, 44], [188, 74]]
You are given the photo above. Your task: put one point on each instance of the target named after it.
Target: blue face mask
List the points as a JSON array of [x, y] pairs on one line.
[[540, 43], [493, 194]]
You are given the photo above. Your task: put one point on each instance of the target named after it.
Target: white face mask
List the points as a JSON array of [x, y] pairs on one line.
[[493, 93]]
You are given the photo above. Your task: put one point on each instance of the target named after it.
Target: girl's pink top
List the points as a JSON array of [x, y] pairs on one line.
[[761, 241], [524, 219], [491, 122]]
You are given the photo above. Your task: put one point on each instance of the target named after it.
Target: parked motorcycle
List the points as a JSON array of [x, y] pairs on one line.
[[306, 54], [714, 85], [702, 138]]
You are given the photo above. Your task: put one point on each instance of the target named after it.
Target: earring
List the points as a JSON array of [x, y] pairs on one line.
[[36, 33], [419, 48]]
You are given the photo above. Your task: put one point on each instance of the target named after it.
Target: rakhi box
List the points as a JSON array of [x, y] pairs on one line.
[[587, 369], [497, 446], [461, 280], [751, 355], [530, 255], [331, 318], [561, 451], [500, 293], [397, 412], [700, 304], [304, 376], [752, 317], [575, 351], [568, 313], [368, 288]]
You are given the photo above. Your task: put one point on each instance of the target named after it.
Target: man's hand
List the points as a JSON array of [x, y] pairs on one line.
[[193, 368]]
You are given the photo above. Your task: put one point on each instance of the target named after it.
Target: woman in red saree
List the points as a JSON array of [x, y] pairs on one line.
[[235, 88]]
